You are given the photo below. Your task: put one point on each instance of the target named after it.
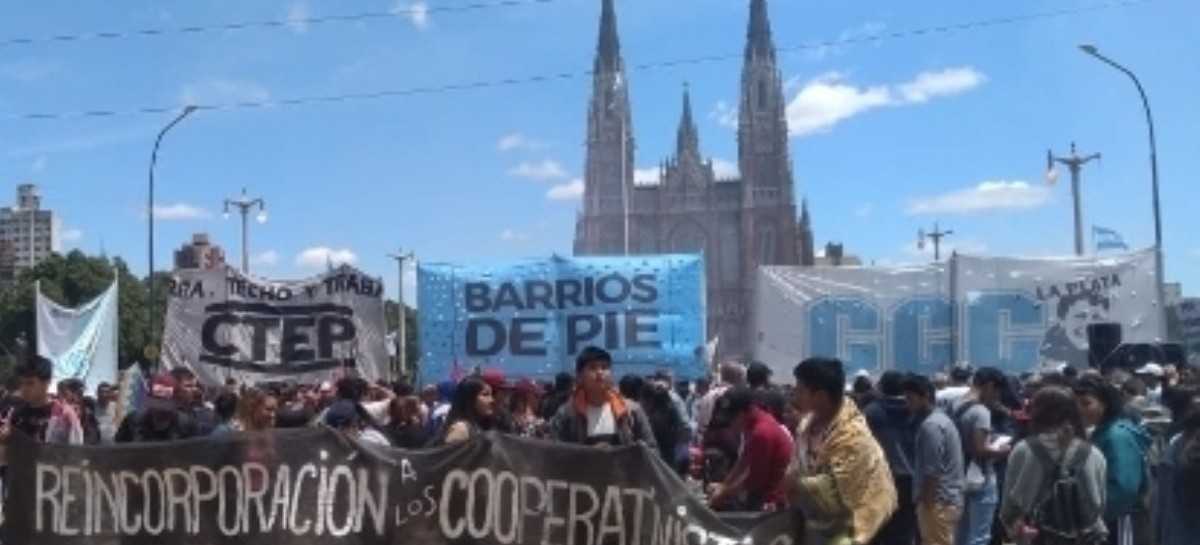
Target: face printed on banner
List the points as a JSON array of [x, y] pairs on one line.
[[1079, 314]]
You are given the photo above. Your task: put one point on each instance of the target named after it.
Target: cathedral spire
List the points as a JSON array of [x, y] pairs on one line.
[[608, 50], [688, 138], [759, 44]]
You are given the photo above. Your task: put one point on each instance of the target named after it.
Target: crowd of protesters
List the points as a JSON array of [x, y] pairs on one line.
[[969, 458]]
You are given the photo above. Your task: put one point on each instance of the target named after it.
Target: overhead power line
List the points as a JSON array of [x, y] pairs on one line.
[[544, 78], [274, 23]]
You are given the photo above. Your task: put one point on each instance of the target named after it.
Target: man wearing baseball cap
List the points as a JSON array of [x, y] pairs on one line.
[[159, 419]]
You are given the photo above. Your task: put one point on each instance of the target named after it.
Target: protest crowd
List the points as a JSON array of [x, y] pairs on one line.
[[975, 457]]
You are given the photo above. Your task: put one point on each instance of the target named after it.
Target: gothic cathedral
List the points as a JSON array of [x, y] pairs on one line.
[[737, 224]]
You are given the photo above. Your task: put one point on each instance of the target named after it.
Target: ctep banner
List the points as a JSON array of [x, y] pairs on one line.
[[1015, 314], [223, 324], [531, 317]]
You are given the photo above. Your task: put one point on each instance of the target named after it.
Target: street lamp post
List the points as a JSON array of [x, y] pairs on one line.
[[402, 334], [187, 110], [1074, 163], [1158, 242], [244, 204], [936, 237]]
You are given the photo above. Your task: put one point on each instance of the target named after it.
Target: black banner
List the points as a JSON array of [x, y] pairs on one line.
[[316, 487]]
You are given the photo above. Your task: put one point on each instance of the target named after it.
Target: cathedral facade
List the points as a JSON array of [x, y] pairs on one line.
[[737, 224]]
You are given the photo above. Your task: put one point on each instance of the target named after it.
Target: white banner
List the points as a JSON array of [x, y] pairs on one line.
[[1189, 320], [81, 342], [1018, 313], [223, 324], [871, 318], [1015, 314]]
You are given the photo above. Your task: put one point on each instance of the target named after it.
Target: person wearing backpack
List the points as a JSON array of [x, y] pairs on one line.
[[973, 416], [1054, 489], [1124, 445]]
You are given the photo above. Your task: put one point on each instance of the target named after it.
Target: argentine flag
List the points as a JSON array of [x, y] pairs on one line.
[[1106, 239]]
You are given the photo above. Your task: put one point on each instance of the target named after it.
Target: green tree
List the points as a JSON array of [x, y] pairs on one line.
[[71, 280]]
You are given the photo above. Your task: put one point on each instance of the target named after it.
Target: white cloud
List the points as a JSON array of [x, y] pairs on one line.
[[985, 197], [70, 236], [518, 141], [223, 91], [647, 176], [725, 169], [943, 83], [266, 259], [180, 211], [725, 115], [417, 13], [29, 70], [297, 17], [319, 257], [864, 210], [569, 191], [829, 99], [544, 170], [511, 235]]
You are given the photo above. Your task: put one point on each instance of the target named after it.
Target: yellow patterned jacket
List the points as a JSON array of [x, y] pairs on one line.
[[845, 489]]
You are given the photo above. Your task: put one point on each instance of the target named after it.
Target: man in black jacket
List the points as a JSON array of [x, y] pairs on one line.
[[159, 419], [596, 414], [889, 418]]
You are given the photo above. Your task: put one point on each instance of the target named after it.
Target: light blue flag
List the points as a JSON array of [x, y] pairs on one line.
[[1108, 240]]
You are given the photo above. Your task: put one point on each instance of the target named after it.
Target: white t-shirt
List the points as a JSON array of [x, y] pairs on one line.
[[600, 421], [950, 395]]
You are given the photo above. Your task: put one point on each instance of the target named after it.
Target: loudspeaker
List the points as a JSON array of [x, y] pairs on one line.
[[1103, 340]]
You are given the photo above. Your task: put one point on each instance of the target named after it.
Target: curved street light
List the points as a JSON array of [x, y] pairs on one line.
[[187, 110], [1158, 243]]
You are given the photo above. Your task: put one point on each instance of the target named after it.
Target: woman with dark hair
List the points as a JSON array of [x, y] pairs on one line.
[[470, 411], [1179, 479], [1056, 439], [1124, 445], [405, 428]]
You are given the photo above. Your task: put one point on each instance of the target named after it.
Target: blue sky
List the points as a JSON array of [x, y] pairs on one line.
[[890, 134]]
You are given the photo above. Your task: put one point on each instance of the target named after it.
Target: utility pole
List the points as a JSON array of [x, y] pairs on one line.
[[244, 204], [402, 334], [1074, 162], [936, 236]]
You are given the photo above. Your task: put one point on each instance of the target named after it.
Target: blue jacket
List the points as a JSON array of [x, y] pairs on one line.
[[1124, 446]]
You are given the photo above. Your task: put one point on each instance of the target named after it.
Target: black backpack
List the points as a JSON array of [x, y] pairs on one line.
[[1063, 511]]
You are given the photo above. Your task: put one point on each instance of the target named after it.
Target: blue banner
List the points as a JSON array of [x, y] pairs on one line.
[[529, 318]]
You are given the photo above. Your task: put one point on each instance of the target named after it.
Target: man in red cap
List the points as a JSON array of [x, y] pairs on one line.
[[159, 419]]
